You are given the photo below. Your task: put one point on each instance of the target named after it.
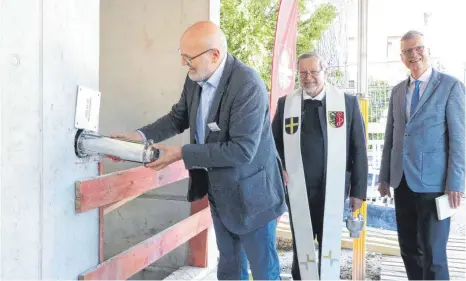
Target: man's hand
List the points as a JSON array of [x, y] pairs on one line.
[[384, 189], [355, 203], [285, 177], [455, 198], [169, 154], [128, 136]]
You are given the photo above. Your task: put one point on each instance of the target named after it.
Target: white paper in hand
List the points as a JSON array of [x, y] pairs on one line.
[[444, 210]]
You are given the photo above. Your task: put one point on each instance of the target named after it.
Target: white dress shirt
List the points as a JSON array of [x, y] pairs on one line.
[[320, 96]]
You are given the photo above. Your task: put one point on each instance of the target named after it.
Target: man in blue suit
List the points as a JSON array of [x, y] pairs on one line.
[[424, 158], [231, 158]]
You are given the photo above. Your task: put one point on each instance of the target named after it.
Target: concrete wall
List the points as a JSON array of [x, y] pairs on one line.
[[47, 48], [141, 77]]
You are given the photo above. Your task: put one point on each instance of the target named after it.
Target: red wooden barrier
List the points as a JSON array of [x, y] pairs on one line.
[[138, 257], [198, 245], [108, 192], [111, 188], [100, 168]]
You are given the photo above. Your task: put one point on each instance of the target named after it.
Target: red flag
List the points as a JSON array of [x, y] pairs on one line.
[[284, 52]]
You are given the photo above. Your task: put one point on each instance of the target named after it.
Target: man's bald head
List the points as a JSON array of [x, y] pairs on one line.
[[205, 34], [203, 47]]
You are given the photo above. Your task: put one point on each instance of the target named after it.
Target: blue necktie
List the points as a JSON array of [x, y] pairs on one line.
[[200, 134], [415, 98], [202, 113]]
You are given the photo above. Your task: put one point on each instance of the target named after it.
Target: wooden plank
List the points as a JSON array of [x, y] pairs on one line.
[[100, 168], [397, 276], [285, 222], [455, 266], [371, 232], [379, 240], [111, 188], [454, 254], [387, 276], [456, 260], [136, 258], [458, 275], [373, 247], [394, 273], [457, 237], [116, 205], [394, 267], [198, 246], [460, 246], [379, 244], [347, 243], [389, 237], [101, 235], [399, 266]]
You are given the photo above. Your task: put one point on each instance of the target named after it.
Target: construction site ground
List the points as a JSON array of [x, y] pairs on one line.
[[383, 261]]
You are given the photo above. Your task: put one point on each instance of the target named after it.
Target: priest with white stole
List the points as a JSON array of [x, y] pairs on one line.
[[320, 136]]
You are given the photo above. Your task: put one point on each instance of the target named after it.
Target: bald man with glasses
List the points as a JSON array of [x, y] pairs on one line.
[[231, 157]]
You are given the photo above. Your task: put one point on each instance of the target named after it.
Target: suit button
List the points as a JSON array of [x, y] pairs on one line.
[[406, 134]]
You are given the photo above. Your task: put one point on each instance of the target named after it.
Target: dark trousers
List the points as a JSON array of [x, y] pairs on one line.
[[259, 247], [422, 237], [316, 206]]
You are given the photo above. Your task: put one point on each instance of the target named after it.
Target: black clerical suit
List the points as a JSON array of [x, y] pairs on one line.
[[313, 152]]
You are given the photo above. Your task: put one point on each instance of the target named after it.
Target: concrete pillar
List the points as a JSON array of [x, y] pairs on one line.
[[359, 245], [47, 48], [141, 77]]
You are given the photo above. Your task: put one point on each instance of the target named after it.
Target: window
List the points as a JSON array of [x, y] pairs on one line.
[[393, 47]]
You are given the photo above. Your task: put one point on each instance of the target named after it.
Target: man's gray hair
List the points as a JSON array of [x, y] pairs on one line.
[[411, 34], [308, 55]]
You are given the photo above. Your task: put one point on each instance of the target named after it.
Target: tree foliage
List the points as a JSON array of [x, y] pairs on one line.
[[249, 26]]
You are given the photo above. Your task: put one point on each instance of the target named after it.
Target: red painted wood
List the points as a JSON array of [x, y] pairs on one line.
[[138, 257], [198, 246], [101, 235], [107, 189], [100, 168]]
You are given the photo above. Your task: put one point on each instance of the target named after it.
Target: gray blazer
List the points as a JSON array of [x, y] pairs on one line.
[[429, 147], [238, 165], [356, 160]]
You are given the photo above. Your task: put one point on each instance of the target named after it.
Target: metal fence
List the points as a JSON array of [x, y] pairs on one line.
[[379, 92]]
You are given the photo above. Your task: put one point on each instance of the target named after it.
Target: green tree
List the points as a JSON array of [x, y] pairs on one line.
[[249, 26]]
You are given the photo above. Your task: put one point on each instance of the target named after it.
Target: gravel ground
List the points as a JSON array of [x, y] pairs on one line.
[[373, 260], [372, 266], [373, 270]]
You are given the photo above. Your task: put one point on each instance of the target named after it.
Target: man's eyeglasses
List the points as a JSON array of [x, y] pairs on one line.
[[410, 51], [189, 59], [304, 74]]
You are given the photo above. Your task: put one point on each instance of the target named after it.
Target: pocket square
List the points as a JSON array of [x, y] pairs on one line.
[[213, 127]]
